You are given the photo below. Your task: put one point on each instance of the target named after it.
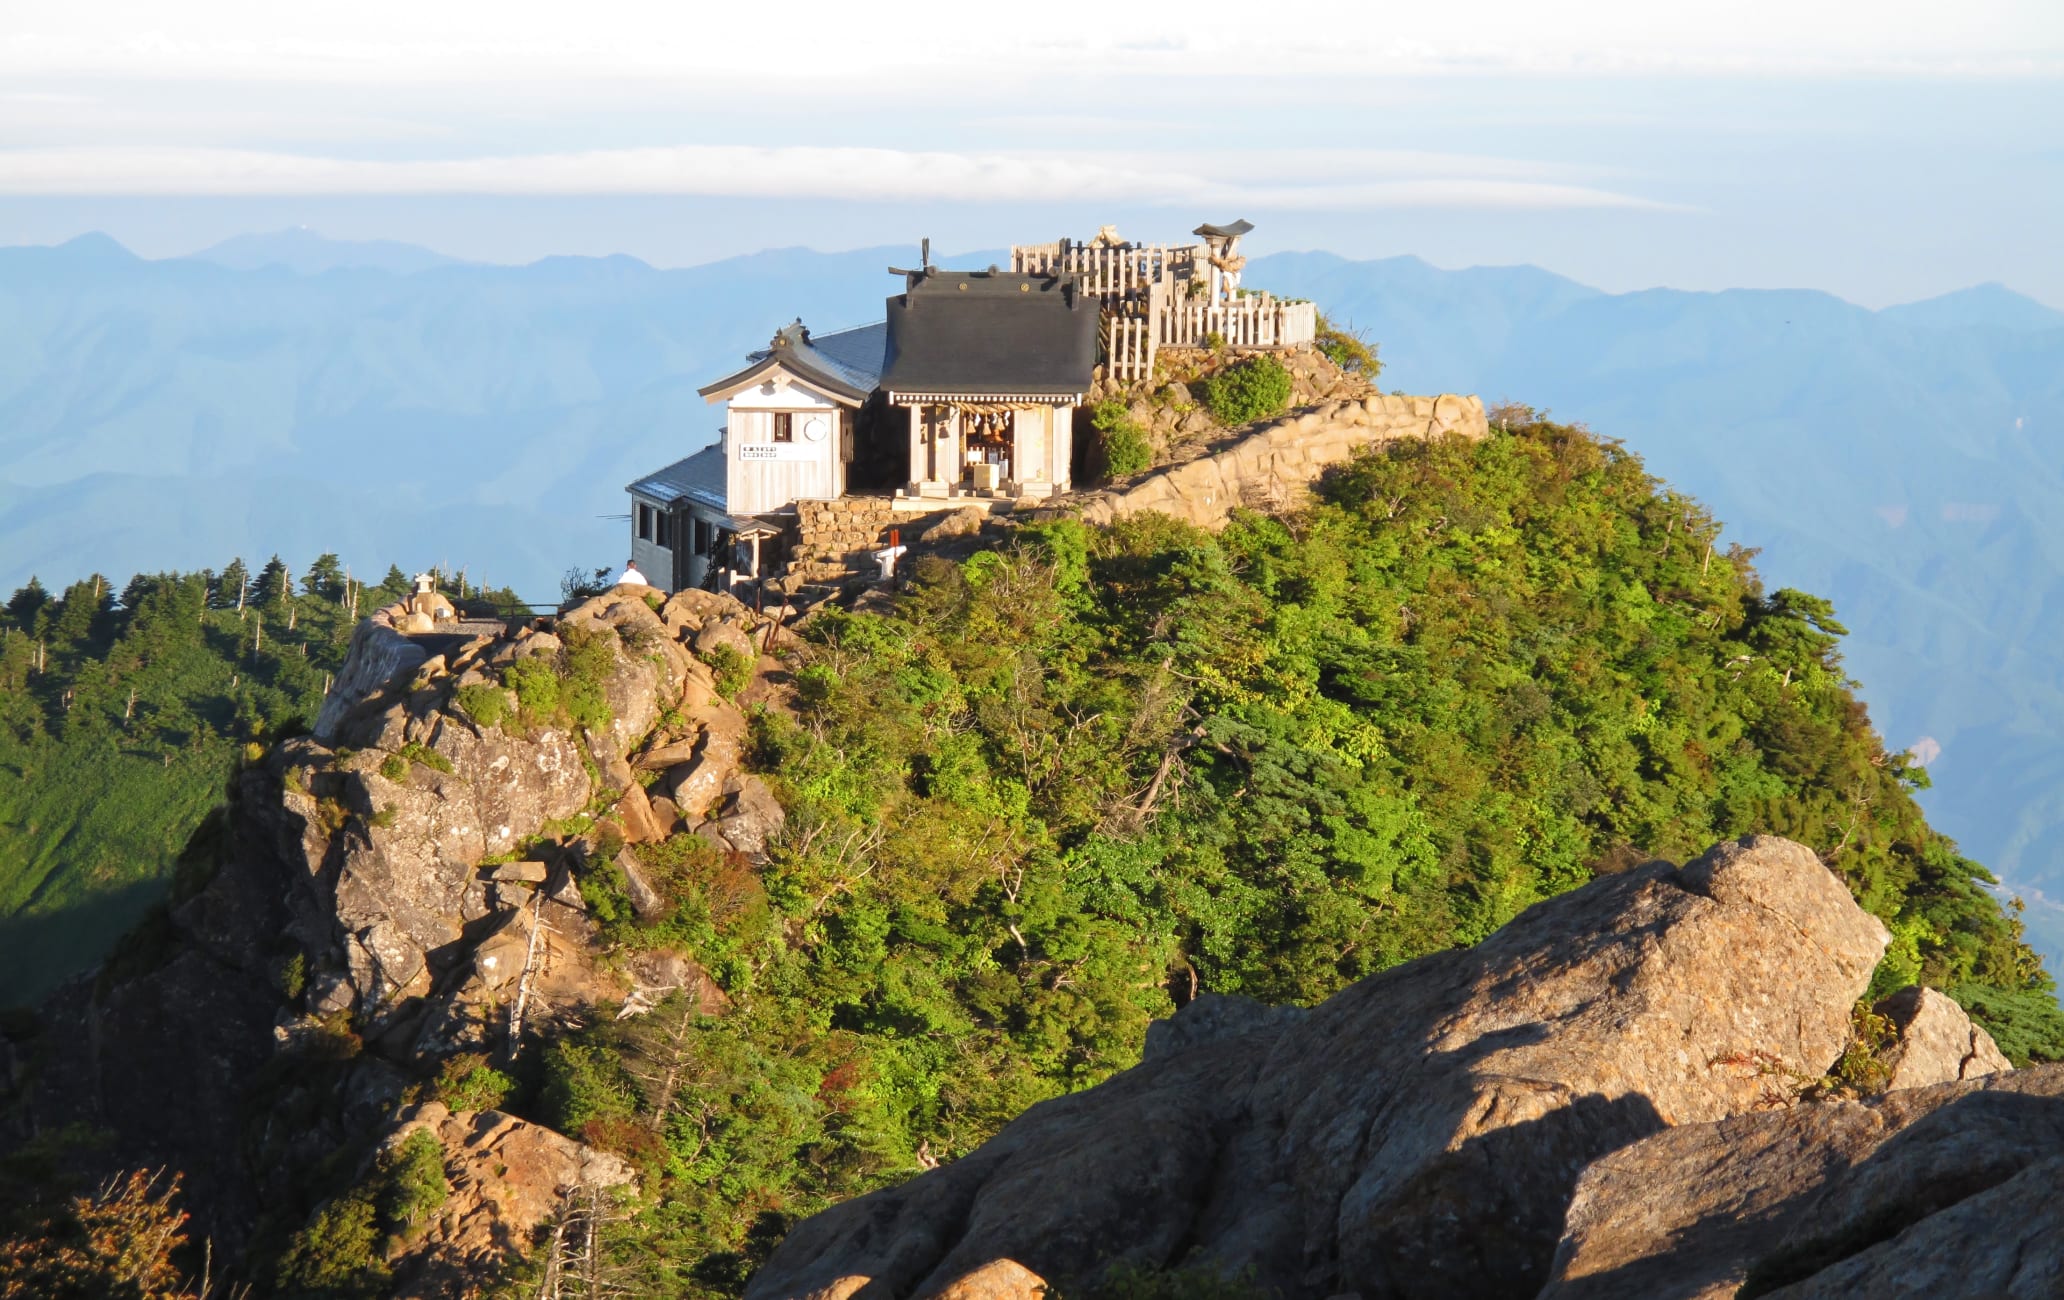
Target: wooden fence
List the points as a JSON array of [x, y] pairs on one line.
[[1108, 271], [1129, 345], [1143, 289], [1255, 322]]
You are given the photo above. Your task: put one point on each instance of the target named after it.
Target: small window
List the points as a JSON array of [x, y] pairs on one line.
[[702, 537], [644, 522], [666, 530], [784, 426]]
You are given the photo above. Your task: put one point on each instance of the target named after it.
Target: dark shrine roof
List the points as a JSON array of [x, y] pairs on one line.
[[846, 364], [990, 333], [699, 478], [1234, 231]]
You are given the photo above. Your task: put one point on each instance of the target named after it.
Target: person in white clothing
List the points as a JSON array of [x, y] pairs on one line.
[[631, 575]]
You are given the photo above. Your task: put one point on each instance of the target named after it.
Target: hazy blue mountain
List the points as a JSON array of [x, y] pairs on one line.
[[1983, 306], [1907, 462], [305, 252]]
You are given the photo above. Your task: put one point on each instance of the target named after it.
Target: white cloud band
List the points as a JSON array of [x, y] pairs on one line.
[[1344, 180]]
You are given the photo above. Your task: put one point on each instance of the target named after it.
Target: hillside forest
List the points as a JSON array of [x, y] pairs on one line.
[[1054, 791]]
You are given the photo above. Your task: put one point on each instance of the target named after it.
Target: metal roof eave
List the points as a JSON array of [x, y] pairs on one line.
[[838, 389]]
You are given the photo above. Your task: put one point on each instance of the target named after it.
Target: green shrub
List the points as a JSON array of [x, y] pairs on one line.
[[415, 752], [1348, 349], [468, 1082], [415, 1185], [486, 704], [1251, 390], [584, 1084], [394, 767], [536, 684], [337, 1256], [1126, 449], [292, 976], [589, 659], [733, 670]]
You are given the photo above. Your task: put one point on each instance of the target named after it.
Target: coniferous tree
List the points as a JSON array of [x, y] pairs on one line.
[[275, 582], [230, 589], [325, 578], [78, 615], [395, 586], [138, 590], [27, 601]]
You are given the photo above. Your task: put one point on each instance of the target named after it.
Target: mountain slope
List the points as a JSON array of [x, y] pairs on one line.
[[1910, 470]]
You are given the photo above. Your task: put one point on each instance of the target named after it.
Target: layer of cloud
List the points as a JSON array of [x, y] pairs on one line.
[[1298, 180], [384, 41]]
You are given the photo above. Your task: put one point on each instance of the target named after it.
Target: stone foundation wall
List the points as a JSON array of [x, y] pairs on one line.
[[839, 537], [1274, 467]]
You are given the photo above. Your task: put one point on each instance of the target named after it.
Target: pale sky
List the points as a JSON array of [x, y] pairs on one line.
[[1883, 150]]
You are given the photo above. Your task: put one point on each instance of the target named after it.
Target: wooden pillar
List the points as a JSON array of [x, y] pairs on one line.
[[1026, 466], [1060, 445], [917, 449], [949, 451]]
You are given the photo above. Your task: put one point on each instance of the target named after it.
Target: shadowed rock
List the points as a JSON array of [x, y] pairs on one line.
[[1940, 1191]]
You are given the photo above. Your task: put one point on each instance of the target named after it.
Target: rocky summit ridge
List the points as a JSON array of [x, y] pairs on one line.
[[1608, 1097]]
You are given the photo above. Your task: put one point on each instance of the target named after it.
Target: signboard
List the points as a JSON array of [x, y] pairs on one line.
[[752, 451]]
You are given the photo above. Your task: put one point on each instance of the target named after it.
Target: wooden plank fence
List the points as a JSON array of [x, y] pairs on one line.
[[1122, 272], [1141, 288], [1129, 346], [1256, 322]]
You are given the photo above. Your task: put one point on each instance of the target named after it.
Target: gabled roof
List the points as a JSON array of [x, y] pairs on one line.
[[698, 478], [847, 365], [995, 333], [855, 353]]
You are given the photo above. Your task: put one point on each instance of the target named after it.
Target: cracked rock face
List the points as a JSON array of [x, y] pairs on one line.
[[1420, 1133], [1937, 1041]]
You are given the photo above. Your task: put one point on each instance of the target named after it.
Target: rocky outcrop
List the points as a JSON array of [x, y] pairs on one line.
[[1274, 466], [1948, 1190], [399, 887], [508, 1178], [1421, 1133], [1936, 1042], [378, 655]]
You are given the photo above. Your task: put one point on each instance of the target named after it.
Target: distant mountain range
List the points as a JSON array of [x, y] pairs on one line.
[[285, 392], [305, 252]]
